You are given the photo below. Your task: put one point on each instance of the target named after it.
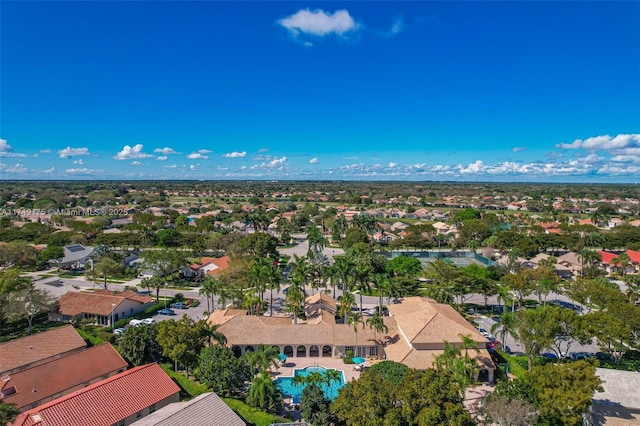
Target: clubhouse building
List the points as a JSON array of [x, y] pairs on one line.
[[415, 333]]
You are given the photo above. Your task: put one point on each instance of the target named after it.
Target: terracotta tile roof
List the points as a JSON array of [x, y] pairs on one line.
[[100, 302], [253, 330], [39, 347], [196, 412], [423, 321], [634, 256], [607, 257], [106, 402], [63, 374]]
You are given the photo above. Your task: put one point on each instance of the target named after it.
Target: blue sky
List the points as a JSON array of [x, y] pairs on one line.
[[475, 91]]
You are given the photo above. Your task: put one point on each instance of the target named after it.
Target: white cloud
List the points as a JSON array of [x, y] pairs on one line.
[[72, 152], [263, 150], [15, 168], [171, 166], [162, 158], [78, 162], [165, 151], [45, 151], [205, 151], [6, 150], [277, 162], [518, 148], [235, 154], [197, 156], [604, 142], [4, 146], [136, 163], [314, 160], [132, 153], [49, 170], [319, 23], [194, 167], [78, 171], [398, 26], [392, 165]]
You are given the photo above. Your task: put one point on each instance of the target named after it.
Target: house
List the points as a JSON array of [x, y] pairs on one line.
[[424, 325], [29, 351], [45, 382], [619, 403], [119, 400], [196, 412], [416, 330], [570, 262], [102, 306], [75, 257], [208, 267]]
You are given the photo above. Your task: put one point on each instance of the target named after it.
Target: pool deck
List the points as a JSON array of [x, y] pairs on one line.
[[296, 363]]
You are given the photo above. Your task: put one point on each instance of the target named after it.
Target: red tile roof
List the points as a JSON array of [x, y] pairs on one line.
[[39, 347], [63, 374], [634, 256], [107, 402], [607, 257], [99, 303]]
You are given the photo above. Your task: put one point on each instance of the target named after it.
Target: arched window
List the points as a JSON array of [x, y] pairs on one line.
[[249, 349], [326, 350], [301, 351], [288, 351], [236, 351], [314, 351]]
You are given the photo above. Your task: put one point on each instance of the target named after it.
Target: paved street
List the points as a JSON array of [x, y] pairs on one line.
[[485, 322]]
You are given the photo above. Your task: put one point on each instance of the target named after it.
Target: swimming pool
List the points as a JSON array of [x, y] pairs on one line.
[[294, 391]]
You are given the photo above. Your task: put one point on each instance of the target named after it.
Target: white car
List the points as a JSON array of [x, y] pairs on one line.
[[148, 321], [135, 322], [119, 331]]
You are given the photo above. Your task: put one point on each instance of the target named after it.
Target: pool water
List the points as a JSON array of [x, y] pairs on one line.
[[295, 391]]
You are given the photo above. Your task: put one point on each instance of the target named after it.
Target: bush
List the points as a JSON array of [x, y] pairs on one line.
[[92, 337], [179, 297], [251, 415], [189, 386]]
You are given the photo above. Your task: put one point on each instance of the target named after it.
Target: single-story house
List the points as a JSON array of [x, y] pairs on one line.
[[102, 306], [75, 257], [196, 412], [35, 386], [118, 400], [29, 351]]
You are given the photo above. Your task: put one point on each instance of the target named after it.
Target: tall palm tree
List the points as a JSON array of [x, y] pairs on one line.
[[316, 240], [376, 322], [210, 332], [468, 343], [507, 326], [347, 301], [263, 358], [589, 258], [355, 319], [344, 270], [206, 289]]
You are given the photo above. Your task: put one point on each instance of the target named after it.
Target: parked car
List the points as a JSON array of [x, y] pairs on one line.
[[179, 305], [148, 321], [580, 355], [119, 331], [135, 322], [166, 311], [550, 355], [493, 344], [484, 332]]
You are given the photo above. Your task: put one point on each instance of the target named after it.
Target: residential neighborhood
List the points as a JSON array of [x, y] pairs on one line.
[[481, 290]]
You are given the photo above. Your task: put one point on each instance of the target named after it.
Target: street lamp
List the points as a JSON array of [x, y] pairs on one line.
[[113, 307]]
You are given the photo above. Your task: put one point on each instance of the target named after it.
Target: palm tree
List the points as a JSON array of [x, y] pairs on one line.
[[316, 240], [622, 261], [376, 322], [347, 301], [589, 258], [507, 326], [344, 272], [468, 343], [355, 318], [210, 332], [259, 274], [331, 376], [206, 289], [264, 394], [383, 285], [263, 358]]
